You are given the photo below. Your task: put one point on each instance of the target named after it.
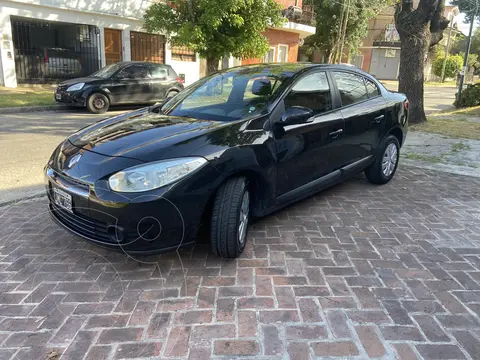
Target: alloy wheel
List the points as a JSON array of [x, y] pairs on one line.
[[243, 218], [389, 159]]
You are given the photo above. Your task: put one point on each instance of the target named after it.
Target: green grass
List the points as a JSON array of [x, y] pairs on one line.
[[450, 127], [16, 99], [470, 111], [456, 147], [438, 83]]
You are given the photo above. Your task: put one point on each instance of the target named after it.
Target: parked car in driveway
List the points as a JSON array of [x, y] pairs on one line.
[[122, 83], [240, 143], [47, 63]]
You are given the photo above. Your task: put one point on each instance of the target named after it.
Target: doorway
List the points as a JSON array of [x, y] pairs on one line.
[[113, 46]]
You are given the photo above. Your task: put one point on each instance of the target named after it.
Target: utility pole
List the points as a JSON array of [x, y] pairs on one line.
[[442, 77], [465, 61]]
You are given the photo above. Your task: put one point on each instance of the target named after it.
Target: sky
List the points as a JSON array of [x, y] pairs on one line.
[[462, 26]]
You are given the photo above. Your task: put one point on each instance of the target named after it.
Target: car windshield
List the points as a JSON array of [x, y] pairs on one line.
[[233, 94], [107, 71]]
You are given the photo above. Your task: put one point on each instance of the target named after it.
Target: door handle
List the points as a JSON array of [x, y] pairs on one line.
[[379, 118], [336, 133]]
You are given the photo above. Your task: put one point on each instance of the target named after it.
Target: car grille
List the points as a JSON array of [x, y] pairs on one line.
[[72, 181], [90, 228], [82, 225]]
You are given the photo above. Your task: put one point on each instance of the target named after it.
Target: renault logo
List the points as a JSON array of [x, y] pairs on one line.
[[74, 160]]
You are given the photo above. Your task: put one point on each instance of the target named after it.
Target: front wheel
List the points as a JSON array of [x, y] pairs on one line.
[[386, 163], [230, 217], [97, 103]]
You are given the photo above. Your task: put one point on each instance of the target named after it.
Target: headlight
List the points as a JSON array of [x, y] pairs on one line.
[[76, 87], [154, 175]]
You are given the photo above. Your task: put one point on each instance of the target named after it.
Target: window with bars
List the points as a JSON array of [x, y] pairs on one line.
[[183, 53]]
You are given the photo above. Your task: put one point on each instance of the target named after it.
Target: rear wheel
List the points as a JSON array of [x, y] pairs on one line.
[[230, 217], [97, 103], [386, 163]]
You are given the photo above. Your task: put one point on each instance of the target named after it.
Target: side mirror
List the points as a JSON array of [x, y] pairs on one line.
[[296, 115]]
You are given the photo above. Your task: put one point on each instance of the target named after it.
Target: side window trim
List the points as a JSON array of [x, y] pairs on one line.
[[341, 106], [379, 93]]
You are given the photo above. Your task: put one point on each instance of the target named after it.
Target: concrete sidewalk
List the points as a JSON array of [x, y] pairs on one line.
[[439, 152]]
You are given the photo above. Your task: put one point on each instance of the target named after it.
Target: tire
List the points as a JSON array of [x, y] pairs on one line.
[[171, 94], [377, 172], [226, 237], [98, 103]]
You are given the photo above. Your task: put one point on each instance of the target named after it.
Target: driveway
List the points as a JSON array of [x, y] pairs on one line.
[[357, 271], [26, 142]]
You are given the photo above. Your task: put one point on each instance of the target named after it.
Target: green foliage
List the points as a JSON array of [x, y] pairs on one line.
[[453, 65], [328, 15], [472, 60], [470, 96], [216, 28]]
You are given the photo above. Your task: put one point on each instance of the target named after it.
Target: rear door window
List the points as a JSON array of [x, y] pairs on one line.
[[351, 87], [159, 72], [135, 72]]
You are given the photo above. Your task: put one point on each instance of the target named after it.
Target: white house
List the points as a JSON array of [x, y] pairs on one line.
[[46, 40], [80, 36]]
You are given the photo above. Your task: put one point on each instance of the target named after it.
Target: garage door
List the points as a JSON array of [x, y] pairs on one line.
[[385, 63], [49, 51], [147, 47]]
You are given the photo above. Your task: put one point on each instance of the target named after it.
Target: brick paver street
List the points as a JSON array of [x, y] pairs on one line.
[[357, 271]]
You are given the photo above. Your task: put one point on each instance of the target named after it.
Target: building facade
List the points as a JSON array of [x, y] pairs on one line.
[[48, 40], [380, 50], [285, 41]]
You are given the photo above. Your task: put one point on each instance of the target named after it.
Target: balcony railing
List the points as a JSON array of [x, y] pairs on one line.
[[387, 37], [305, 16]]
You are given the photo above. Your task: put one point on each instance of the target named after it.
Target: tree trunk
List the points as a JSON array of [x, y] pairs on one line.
[[212, 65], [419, 29], [411, 74]]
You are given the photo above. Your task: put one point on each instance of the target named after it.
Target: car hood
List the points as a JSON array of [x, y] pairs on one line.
[[146, 136], [85, 80]]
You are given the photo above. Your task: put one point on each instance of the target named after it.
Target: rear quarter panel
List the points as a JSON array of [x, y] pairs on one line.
[[397, 115]]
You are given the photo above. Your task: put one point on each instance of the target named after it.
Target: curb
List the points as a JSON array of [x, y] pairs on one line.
[[28, 109]]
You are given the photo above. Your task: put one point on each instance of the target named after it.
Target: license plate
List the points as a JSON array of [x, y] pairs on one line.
[[58, 96], [62, 199]]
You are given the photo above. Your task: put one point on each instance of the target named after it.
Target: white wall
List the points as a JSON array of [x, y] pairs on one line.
[[125, 8], [100, 13]]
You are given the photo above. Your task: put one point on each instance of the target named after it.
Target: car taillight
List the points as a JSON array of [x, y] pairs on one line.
[[180, 80], [45, 58], [405, 104]]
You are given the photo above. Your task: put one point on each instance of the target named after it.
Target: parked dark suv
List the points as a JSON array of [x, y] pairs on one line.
[[121, 83], [243, 142]]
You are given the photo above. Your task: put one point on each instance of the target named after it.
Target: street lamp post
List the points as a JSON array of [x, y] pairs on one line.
[[465, 60]]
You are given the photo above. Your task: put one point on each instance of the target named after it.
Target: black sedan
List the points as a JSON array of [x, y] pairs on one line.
[[240, 143], [122, 83]]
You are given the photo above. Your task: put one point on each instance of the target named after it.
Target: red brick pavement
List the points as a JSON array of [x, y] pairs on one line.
[[357, 271]]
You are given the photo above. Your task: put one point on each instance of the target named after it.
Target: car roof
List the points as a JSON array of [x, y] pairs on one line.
[[294, 69], [125, 63]]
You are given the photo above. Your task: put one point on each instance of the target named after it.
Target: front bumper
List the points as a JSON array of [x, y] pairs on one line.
[[74, 98], [158, 221]]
